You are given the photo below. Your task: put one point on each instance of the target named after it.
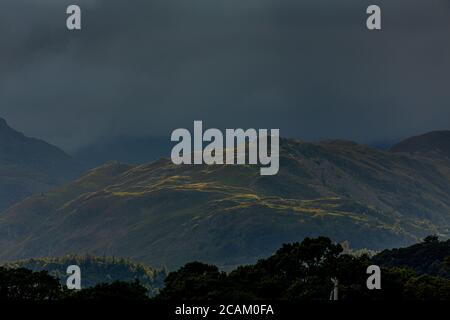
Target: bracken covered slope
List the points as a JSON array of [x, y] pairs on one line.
[[163, 214]]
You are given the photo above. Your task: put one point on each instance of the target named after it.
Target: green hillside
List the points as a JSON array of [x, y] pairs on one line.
[[163, 214]]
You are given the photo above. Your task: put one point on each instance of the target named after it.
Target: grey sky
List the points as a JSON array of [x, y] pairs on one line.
[[147, 67]]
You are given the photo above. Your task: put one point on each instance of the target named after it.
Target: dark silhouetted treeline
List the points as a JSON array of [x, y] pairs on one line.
[[303, 271], [97, 270], [430, 257], [299, 271]]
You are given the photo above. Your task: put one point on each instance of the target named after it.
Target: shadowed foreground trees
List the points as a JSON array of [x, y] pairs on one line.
[[23, 284], [302, 271], [117, 290], [97, 270], [431, 257], [299, 271]]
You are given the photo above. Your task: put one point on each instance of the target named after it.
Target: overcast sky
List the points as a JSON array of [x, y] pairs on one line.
[[145, 68]]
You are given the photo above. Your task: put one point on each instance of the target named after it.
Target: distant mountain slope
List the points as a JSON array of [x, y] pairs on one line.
[[163, 214], [17, 149], [29, 166], [436, 143], [96, 270]]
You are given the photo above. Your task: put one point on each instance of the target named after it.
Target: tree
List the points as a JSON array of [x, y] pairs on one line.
[[431, 239], [117, 290], [23, 284], [194, 281]]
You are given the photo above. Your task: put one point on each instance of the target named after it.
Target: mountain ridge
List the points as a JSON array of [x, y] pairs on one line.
[[434, 144], [29, 166], [163, 214]]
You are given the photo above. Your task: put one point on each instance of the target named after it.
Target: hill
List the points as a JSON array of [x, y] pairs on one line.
[[433, 144], [29, 166], [163, 214]]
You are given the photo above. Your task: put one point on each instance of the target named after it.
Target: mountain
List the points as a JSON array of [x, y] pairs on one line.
[[433, 144], [29, 166], [163, 214]]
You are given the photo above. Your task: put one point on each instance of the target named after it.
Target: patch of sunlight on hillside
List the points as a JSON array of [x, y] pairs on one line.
[[128, 194]]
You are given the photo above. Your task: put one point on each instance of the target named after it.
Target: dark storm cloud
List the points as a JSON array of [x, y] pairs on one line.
[[309, 68]]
